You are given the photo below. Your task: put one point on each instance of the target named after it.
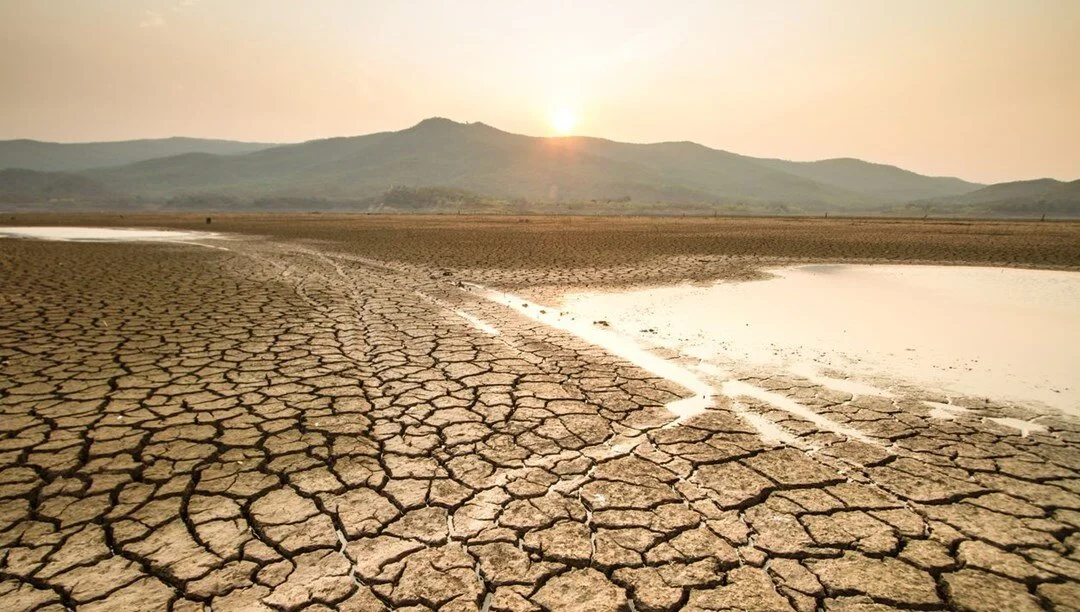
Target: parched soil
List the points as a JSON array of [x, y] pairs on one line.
[[307, 421], [521, 252]]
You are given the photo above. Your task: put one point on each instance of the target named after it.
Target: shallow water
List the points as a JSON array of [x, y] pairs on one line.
[[103, 234], [999, 333]]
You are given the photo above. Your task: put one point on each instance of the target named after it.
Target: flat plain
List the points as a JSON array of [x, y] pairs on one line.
[[321, 412]]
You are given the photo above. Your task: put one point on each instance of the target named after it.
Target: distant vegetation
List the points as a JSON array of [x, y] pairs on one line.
[[1016, 199], [18, 185], [54, 156], [442, 166]]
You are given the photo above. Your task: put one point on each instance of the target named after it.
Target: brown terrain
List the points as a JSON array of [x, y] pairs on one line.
[[301, 419]]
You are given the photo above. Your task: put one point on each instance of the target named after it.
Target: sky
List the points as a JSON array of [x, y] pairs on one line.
[[987, 90]]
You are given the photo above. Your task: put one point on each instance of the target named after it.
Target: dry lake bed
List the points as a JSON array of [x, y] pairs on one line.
[[453, 413]]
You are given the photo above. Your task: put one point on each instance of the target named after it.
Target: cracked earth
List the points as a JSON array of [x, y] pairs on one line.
[[277, 426]]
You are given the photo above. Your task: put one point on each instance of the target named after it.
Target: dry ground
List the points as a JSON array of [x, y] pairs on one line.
[[303, 421], [516, 252]]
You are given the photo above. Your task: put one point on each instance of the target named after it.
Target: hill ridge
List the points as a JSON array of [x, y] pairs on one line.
[[474, 157]]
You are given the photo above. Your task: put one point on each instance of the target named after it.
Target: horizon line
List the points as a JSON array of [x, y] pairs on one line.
[[271, 144]]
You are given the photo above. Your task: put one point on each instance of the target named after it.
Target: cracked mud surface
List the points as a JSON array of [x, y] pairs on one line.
[[280, 426]]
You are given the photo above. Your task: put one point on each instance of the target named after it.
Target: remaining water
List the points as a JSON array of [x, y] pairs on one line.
[[1000, 333], [103, 234], [109, 234]]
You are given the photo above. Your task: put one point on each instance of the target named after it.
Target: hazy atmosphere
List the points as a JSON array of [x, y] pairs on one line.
[[983, 90]]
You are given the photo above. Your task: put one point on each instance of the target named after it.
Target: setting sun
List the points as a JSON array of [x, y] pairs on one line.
[[563, 120]]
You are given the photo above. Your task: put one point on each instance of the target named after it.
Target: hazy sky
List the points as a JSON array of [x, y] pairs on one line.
[[987, 90]]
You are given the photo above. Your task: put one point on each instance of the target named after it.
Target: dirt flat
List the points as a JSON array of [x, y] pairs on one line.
[[531, 251], [322, 413]]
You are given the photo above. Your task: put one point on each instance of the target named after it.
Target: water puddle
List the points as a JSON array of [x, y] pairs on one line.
[[1001, 333], [108, 234]]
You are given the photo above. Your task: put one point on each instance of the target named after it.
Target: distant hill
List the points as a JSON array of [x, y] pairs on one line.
[[1047, 189], [723, 175], [887, 183], [442, 165], [58, 156], [1019, 198], [484, 160], [18, 185]]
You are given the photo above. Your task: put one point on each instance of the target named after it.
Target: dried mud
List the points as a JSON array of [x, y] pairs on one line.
[[305, 420]]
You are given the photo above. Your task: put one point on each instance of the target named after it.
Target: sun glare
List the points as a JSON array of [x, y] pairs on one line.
[[563, 120]]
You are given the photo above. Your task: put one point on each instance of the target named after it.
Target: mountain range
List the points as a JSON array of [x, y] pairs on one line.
[[59, 156], [439, 164]]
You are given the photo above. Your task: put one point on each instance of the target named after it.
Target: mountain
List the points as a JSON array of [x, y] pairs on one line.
[[1038, 196], [1046, 189], [18, 185], [484, 160], [442, 165], [58, 156], [724, 175], [887, 183]]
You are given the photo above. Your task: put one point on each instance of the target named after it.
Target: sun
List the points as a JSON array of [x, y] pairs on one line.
[[563, 120]]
